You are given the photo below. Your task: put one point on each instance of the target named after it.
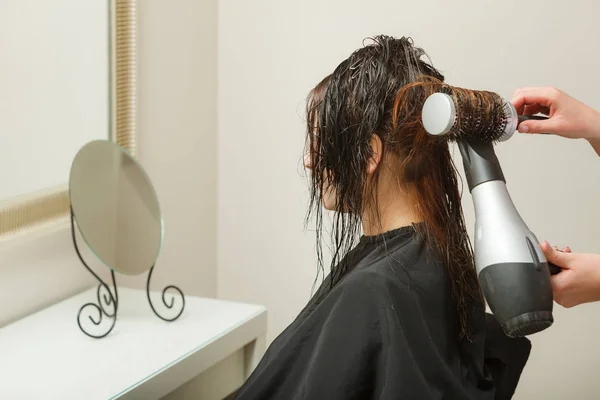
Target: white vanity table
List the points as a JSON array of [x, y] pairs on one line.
[[206, 354]]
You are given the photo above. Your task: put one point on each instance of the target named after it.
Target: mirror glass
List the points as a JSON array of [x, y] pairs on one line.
[[54, 89], [115, 207]]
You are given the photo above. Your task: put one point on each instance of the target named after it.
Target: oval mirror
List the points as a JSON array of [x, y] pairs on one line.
[[115, 207]]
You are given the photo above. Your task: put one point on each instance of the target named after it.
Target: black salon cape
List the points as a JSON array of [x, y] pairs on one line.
[[388, 331]]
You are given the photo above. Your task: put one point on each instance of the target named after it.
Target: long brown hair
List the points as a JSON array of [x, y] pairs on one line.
[[378, 90]]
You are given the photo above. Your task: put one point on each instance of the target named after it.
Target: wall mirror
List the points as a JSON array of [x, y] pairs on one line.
[[68, 77]]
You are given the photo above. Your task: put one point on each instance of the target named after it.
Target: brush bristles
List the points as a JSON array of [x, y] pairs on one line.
[[480, 115]]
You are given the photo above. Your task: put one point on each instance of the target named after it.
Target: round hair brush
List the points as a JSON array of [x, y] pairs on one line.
[[512, 269], [471, 115]]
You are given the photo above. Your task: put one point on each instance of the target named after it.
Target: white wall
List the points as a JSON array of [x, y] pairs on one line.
[[54, 60], [272, 52], [177, 146], [178, 136], [38, 271]]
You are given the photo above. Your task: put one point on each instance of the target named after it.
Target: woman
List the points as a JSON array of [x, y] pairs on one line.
[[400, 316]]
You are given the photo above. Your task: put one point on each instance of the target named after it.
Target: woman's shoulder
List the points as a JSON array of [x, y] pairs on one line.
[[411, 266], [403, 272], [392, 279]]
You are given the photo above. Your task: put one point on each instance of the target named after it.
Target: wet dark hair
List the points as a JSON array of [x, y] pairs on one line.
[[376, 91]]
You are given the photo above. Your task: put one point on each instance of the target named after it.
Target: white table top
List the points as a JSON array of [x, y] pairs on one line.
[[46, 356]]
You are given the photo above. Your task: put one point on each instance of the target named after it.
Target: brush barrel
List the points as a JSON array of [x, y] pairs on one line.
[[512, 269], [439, 116]]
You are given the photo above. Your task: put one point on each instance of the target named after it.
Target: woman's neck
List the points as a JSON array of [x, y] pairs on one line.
[[394, 210]]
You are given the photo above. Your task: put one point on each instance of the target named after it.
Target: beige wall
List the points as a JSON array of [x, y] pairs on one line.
[[269, 61], [34, 81], [177, 146], [178, 136]]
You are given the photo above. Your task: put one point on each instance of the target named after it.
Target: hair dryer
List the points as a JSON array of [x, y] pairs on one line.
[[512, 269]]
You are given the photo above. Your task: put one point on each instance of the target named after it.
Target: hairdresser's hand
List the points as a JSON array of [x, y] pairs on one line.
[[568, 117], [579, 280]]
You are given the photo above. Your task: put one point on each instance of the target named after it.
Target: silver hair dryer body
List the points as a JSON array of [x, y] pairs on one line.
[[512, 269]]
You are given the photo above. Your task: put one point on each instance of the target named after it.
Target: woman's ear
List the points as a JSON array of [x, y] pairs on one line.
[[377, 150]]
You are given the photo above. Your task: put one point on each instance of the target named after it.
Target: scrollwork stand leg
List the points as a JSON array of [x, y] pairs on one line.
[[111, 300], [170, 305], [108, 301]]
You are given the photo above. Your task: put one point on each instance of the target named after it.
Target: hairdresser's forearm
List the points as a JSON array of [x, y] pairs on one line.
[[594, 138]]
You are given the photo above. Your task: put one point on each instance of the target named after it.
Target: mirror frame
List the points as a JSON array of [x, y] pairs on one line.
[[51, 206]]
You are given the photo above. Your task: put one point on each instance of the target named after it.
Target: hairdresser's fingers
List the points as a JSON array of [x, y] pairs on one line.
[[556, 124], [539, 126], [518, 100], [564, 249], [557, 258], [544, 96], [559, 284]]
